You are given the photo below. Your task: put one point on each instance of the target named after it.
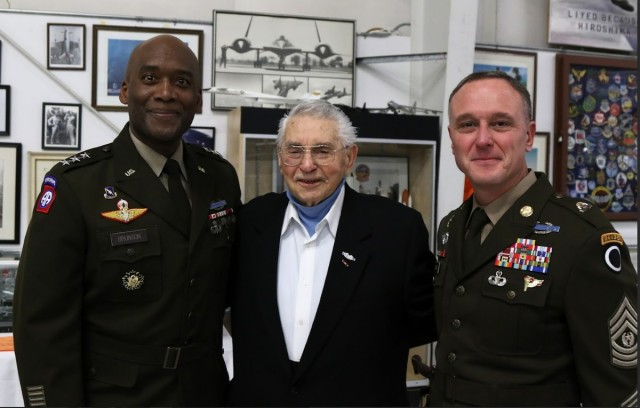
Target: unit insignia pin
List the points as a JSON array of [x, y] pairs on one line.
[[526, 211], [497, 279], [110, 193], [531, 282], [201, 169], [582, 206], [132, 280], [347, 257]]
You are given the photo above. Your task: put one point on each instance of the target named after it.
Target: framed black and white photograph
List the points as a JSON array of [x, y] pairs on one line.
[[538, 157], [61, 126], [10, 181], [276, 60], [382, 175], [5, 110], [66, 46], [519, 65], [112, 46], [202, 136]]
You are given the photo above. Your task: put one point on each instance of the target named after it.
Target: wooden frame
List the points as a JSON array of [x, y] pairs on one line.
[[61, 126], [386, 176], [112, 46], [202, 136], [280, 55], [596, 146], [538, 157], [515, 63], [5, 110], [10, 182], [66, 45], [39, 164]]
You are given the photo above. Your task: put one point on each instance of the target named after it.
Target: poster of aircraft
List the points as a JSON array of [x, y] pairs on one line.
[[282, 56]]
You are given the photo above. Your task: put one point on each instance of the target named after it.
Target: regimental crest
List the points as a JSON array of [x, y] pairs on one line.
[[623, 332]]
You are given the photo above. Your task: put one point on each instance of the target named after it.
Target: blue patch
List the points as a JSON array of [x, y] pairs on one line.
[[217, 205], [49, 180]]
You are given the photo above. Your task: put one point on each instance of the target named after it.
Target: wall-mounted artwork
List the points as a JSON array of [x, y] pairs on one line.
[[61, 124], [10, 181], [282, 56], [596, 150], [5, 110], [112, 46], [66, 46]]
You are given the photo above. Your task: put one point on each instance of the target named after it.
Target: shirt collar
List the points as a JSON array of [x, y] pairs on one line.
[[154, 159], [499, 206], [332, 219]]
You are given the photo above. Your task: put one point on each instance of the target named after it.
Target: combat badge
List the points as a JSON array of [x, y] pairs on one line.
[[623, 333], [124, 214]]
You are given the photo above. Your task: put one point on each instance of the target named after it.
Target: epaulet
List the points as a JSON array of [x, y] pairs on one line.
[[206, 151], [83, 159], [583, 209]]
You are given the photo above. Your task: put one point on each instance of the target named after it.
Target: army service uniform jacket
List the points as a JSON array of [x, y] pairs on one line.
[[116, 304], [544, 315]]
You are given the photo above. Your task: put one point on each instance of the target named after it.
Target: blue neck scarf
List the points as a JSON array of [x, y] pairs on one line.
[[311, 216]]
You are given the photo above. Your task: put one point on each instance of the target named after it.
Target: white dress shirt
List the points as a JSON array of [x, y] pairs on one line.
[[303, 262]]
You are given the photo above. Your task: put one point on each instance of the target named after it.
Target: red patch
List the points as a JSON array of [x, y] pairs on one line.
[[46, 199]]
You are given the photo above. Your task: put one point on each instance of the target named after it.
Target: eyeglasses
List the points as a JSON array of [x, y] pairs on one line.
[[321, 155]]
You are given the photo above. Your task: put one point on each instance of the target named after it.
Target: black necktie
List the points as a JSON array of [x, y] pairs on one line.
[[176, 192], [473, 240]]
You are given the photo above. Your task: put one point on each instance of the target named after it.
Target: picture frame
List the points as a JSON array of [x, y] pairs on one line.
[[112, 46], [538, 157], [382, 175], [39, 164], [202, 136], [5, 110], [597, 24], [516, 63], [66, 45], [595, 150], [0, 61], [61, 126], [282, 56], [10, 182]]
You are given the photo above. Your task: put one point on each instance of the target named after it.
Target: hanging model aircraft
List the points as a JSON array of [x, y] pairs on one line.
[[398, 108], [265, 98]]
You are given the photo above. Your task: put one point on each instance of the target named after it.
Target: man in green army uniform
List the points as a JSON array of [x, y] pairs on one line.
[[536, 306], [120, 291]]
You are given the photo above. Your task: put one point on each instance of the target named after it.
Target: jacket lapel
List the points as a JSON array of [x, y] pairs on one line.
[[348, 259], [202, 191]]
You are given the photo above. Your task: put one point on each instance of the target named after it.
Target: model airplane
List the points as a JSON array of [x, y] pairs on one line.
[[379, 32], [397, 108]]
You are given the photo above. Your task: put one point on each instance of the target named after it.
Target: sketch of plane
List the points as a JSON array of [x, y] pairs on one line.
[[285, 86], [281, 47]]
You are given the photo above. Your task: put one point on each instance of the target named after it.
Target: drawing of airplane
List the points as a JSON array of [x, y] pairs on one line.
[[281, 47]]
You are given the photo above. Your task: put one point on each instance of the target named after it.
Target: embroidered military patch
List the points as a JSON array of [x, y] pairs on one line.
[[525, 255], [623, 333], [611, 238]]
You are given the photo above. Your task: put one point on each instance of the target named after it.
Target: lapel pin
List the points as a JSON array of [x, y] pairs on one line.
[[347, 257], [132, 280], [110, 193], [129, 172], [526, 211], [531, 282]]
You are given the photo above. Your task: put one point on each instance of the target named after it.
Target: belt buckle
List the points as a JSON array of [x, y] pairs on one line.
[[171, 358]]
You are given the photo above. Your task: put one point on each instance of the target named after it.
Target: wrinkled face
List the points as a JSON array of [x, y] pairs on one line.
[[309, 182], [490, 134], [162, 91]]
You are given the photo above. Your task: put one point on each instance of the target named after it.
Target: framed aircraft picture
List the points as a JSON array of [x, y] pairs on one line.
[[66, 46], [278, 60]]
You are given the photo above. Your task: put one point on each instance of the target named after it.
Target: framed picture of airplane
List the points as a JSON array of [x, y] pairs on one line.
[[279, 60], [66, 46], [112, 46]]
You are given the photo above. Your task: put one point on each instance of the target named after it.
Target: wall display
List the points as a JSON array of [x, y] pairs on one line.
[[538, 157], [203, 136], [39, 164], [10, 181], [284, 56], [66, 46], [594, 23], [61, 126], [519, 65], [596, 153], [112, 46], [383, 176], [5, 110]]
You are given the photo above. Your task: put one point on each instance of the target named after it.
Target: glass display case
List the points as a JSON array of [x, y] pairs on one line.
[[8, 269]]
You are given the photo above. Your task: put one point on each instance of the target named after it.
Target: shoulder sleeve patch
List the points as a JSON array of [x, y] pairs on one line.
[[611, 238]]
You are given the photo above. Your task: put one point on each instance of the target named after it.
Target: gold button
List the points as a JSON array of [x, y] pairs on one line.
[[526, 211]]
